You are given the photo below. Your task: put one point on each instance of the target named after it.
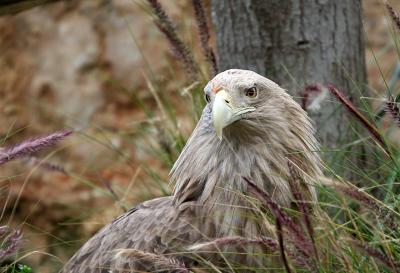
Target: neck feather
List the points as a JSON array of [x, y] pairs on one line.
[[211, 171]]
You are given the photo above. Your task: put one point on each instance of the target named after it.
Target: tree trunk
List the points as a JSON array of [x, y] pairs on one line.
[[296, 43]]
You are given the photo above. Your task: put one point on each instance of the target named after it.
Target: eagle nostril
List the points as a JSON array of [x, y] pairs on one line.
[[227, 101]]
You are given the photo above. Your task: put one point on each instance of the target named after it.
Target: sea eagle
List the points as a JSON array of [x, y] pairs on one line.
[[250, 128]]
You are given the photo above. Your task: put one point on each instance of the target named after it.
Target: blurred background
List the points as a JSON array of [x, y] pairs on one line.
[[91, 66]]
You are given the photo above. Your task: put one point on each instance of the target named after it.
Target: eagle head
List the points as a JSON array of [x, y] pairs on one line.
[[242, 103], [250, 127]]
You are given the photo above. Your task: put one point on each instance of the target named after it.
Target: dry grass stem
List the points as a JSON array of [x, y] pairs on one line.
[[168, 264], [269, 243]]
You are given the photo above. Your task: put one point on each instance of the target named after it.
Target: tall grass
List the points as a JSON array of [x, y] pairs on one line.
[[353, 229], [11, 239]]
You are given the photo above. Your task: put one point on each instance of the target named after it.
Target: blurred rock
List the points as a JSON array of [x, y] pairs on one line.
[[80, 64]]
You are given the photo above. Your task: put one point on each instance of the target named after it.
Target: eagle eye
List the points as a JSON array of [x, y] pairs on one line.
[[251, 92], [208, 99]]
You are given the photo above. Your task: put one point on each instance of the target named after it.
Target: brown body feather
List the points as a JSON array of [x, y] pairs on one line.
[[155, 226], [209, 200]]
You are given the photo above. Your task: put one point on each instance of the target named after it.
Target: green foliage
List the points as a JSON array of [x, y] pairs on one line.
[[20, 268], [15, 267]]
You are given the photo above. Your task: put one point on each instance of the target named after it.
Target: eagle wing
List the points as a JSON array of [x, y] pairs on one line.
[[155, 227]]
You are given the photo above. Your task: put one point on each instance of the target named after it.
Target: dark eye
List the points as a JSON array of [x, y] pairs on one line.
[[208, 99], [251, 92]]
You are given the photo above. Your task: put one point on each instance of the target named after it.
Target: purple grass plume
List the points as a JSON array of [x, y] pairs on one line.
[[280, 232], [382, 213], [305, 208], [204, 33], [303, 245], [377, 254], [32, 146], [10, 242], [48, 166], [360, 117], [395, 17], [180, 50], [162, 262], [393, 110]]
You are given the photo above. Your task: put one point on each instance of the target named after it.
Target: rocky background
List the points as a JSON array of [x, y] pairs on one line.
[[85, 65]]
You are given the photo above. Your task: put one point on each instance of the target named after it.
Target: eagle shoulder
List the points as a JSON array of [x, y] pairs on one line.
[[155, 226]]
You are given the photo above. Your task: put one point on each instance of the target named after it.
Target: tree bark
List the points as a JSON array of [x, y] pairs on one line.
[[296, 43]]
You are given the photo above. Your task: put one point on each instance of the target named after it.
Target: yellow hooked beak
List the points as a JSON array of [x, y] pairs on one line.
[[224, 113]]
